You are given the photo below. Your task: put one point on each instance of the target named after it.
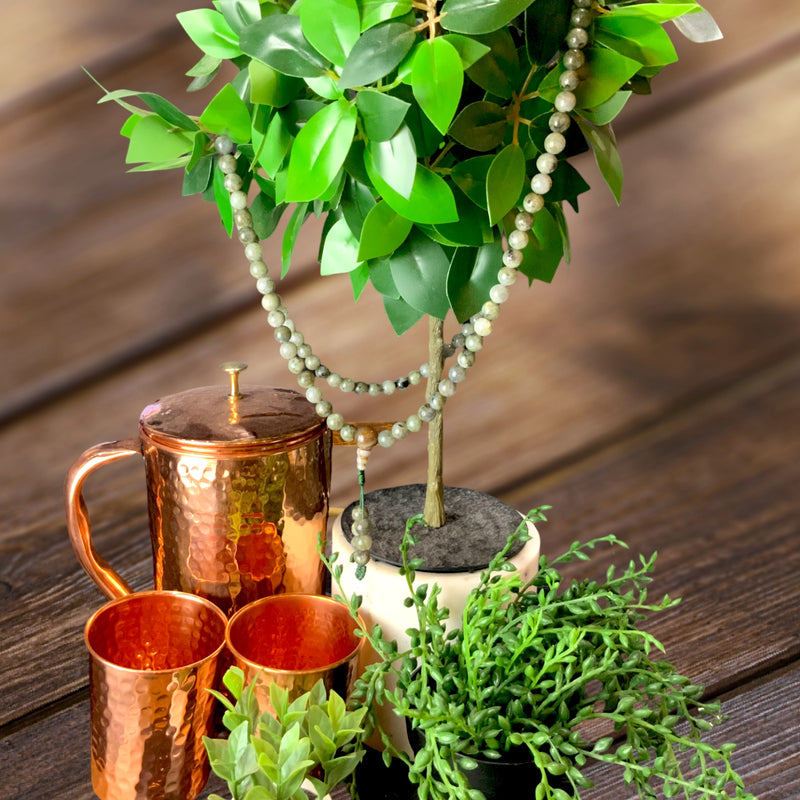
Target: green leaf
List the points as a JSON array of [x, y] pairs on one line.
[[227, 113], [400, 314], [469, 50], [278, 41], [384, 230], [239, 13], [380, 273], [610, 71], [639, 38], [660, 12], [431, 200], [357, 201], [604, 146], [395, 160], [497, 72], [437, 78], [359, 278], [271, 146], [340, 251], [167, 111], [154, 140], [206, 66], [377, 52], [470, 177], [472, 274], [268, 87], [607, 112], [546, 25], [331, 26], [209, 30], [540, 261], [380, 113], [472, 228], [505, 181], [290, 236], [319, 151], [196, 179], [373, 12], [480, 126], [480, 16], [419, 270], [223, 200]]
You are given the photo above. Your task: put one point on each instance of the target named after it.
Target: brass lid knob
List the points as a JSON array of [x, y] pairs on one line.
[[233, 368]]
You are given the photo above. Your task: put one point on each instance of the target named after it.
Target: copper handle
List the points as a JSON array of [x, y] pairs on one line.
[[80, 533]]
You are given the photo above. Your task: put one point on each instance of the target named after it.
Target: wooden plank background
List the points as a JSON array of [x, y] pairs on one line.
[[652, 390]]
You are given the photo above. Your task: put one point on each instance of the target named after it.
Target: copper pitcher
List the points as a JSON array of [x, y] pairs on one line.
[[237, 490]]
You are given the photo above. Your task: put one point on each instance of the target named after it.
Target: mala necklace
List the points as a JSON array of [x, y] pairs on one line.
[[307, 367]]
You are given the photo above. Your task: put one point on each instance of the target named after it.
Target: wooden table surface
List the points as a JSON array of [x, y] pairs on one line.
[[652, 391]]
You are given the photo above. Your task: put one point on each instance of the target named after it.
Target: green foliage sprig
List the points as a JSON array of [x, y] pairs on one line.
[[558, 669], [266, 756], [408, 126]]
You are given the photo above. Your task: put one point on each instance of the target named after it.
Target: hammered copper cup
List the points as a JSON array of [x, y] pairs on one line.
[[295, 640], [153, 656]]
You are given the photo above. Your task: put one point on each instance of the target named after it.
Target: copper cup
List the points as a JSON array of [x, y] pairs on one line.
[[153, 656], [295, 640]]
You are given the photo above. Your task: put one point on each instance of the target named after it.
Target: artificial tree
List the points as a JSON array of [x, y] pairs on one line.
[[432, 139]]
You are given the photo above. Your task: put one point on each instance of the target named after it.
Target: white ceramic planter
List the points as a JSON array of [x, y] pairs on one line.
[[384, 591]]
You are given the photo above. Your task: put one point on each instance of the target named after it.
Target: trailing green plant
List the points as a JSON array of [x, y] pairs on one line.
[[557, 669], [269, 756]]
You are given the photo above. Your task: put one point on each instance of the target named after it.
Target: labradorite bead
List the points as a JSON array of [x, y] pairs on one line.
[[446, 387], [361, 543], [456, 373], [348, 433], [505, 276], [242, 217], [283, 334], [323, 408], [498, 294], [314, 395], [569, 80], [312, 362], [271, 302], [305, 379], [322, 371], [541, 184], [227, 163], [296, 365], [482, 328], [385, 439], [518, 240], [361, 387], [554, 143], [258, 269], [288, 350], [303, 350], [437, 401], [403, 383], [565, 101], [253, 251], [359, 513], [265, 285], [335, 422], [414, 423], [388, 387], [399, 430], [533, 202], [546, 163], [466, 358], [361, 557], [577, 38], [414, 377], [276, 318], [581, 17], [238, 200], [334, 380], [426, 413], [374, 390], [223, 144], [347, 385], [573, 59], [559, 121]]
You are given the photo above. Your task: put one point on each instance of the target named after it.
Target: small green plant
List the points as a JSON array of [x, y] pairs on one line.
[[313, 739], [557, 669]]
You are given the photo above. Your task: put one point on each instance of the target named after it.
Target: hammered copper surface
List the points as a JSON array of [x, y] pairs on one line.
[[294, 641], [153, 656], [237, 490]]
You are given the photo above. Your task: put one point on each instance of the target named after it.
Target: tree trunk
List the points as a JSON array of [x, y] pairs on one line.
[[434, 514]]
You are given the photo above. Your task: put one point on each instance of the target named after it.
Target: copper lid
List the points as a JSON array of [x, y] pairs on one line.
[[231, 421]]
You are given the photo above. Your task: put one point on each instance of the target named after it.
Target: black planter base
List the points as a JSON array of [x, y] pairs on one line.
[[375, 781]]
